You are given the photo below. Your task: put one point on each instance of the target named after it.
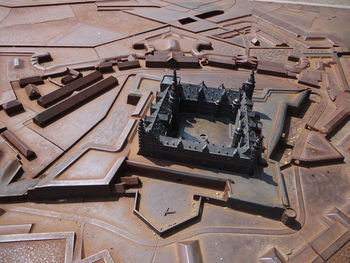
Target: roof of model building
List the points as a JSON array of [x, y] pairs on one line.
[[199, 92], [211, 95]]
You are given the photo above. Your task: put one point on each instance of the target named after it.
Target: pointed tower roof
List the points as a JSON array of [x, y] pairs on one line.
[[202, 85], [223, 97], [201, 93], [205, 149], [251, 79], [174, 78], [249, 85]]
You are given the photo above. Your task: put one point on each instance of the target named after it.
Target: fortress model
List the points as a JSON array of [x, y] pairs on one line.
[[160, 133]]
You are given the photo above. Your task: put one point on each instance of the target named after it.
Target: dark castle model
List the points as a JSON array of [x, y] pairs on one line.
[[159, 134]]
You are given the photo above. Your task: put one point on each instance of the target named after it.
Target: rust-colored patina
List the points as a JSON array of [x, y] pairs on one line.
[[84, 81]]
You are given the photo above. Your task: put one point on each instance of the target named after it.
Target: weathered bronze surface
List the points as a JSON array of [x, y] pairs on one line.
[[265, 82]]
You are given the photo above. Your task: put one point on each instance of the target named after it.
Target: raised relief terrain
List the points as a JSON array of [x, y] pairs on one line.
[[168, 131]]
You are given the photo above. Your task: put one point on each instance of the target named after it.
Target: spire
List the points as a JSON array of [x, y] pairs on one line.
[[202, 85], [251, 79], [249, 85], [175, 86], [175, 78]]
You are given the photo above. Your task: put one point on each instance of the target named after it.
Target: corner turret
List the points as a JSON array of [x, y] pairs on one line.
[[249, 86]]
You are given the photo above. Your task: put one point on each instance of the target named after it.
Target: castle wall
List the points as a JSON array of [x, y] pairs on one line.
[[150, 146]]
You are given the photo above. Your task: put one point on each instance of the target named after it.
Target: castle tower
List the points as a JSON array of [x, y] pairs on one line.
[[141, 133], [174, 78], [173, 101], [249, 85], [174, 88]]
